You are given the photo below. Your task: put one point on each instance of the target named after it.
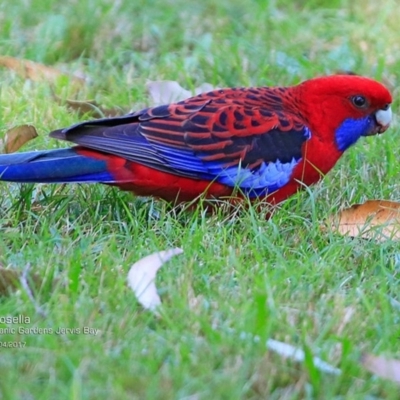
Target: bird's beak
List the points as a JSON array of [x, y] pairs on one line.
[[382, 120]]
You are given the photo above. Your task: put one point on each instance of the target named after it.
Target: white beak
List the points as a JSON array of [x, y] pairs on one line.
[[384, 118]]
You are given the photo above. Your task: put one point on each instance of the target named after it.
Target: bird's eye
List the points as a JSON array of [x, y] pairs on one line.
[[359, 101], [386, 107]]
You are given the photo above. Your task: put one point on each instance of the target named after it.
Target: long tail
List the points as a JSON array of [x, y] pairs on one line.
[[55, 166]]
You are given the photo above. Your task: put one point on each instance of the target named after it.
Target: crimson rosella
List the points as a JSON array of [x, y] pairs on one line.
[[265, 142]]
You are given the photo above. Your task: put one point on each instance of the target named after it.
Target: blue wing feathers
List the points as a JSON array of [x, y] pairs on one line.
[[266, 178]]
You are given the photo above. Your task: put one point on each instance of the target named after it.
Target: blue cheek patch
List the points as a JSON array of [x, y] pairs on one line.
[[351, 130]]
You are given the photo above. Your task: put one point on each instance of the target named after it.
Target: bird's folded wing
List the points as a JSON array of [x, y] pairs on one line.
[[254, 147]]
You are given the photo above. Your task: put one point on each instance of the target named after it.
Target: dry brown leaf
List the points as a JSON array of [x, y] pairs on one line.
[[142, 274], [16, 137], [164, 92], [387, 368], [89, 107], [36, 71], [375, 219]]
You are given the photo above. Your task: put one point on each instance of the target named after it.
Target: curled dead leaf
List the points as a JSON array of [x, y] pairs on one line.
[[89, 107], [142, 274], [16, 137], [164, 92], [375, 219], [383, 367], [37, 72]]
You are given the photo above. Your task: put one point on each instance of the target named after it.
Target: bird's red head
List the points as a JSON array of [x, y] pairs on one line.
[[345, 107]]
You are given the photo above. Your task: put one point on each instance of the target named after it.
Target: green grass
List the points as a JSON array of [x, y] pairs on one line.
[[241, 279]]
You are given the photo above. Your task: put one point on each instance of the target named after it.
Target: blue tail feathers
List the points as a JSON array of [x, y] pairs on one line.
[[53, 166]]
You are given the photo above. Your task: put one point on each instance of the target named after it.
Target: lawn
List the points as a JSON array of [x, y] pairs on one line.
[[242, 279]]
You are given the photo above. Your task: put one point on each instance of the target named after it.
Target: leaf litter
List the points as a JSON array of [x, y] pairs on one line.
[[91, 107], [165, 92], [34, 71], [387, 368], [142, 275], [16, 137], [374, 219]]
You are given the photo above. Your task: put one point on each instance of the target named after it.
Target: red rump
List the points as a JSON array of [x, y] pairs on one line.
[[145, 181]]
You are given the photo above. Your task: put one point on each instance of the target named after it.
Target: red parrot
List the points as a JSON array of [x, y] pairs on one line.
[[267, 142]]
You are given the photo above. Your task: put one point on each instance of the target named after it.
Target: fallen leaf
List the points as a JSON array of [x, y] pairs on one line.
[[387, 368], [296, 354], [89, 107], [164, 92], [35, 71], [16, 137], [375, 219], [142, 274]]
